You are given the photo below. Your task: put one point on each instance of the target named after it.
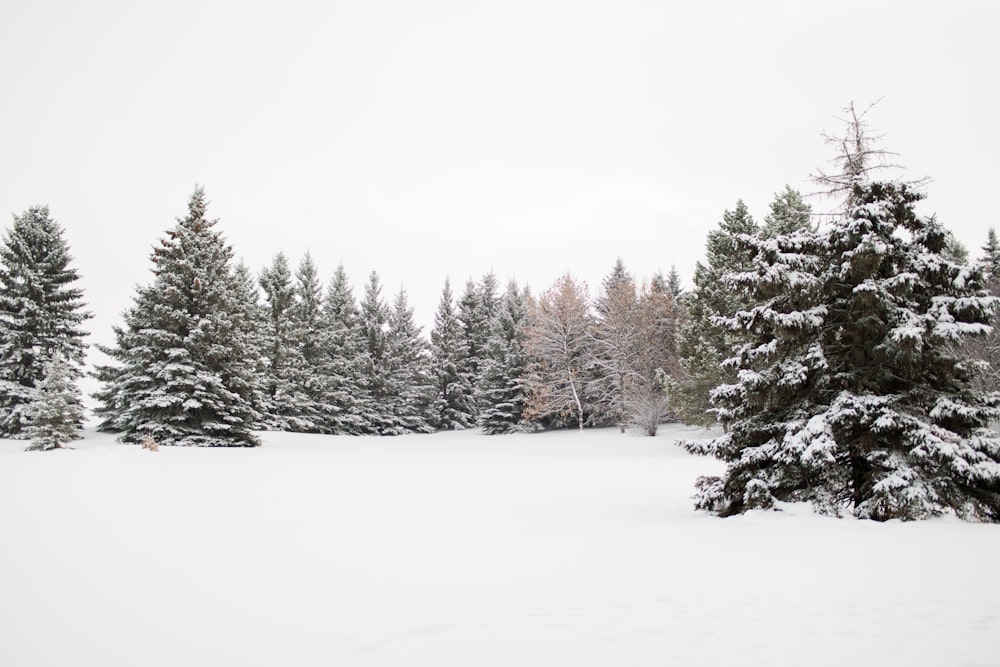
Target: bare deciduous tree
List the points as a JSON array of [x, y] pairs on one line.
[[557, 342]]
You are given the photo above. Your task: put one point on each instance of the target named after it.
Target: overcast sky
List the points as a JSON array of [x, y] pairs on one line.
[[433, 139]]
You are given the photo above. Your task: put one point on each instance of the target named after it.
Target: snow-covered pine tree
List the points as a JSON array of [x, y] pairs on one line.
[[341, 369], [849, 391], [41, 311], [306, 320], [702, 344], [249, 335], [476, 309], [989, 263], [410, 383], [181, 376], [557, 342], [286, 368], [375, 385], [56, 413], [501, 392], [454, 406]]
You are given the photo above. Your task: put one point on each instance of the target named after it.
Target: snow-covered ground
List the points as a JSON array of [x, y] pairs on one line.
[[461, 549]]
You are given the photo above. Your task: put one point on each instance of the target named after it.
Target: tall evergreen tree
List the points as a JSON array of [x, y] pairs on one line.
[[408, 370], [703, 343], [454, 406], [307, 337], [285, 393], [376, 387], [181, 375], [501, 390], [249, 336], [989, 263], [342, 344], [41, 312], [56, 412], [476, 309], [850, 394]]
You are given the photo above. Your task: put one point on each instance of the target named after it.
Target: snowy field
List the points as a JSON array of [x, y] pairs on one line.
[[461, 549]]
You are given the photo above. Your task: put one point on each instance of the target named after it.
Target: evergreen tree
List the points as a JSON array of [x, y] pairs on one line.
[[182, 376], [454, 406], [476, 309], [408, 370], [616, 347], [849, 392], [285, 393], [41, 312], [376, 387], [789, 212], [501, 392], [989, 263], [57, 412], [249, 335], [703, 343], [341, 369], [307, 337]]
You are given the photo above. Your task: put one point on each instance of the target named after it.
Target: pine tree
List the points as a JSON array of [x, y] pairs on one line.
[[501, 391], [306, 335], [703, 343], [375, 386], [248, 335], [56, 412], [454, 406], [285, 393], [182, 376], [342, 344], [616, 347], [789, 212], [410, 382], [41, 312], [989, 263], [476, 309], [849, 392]]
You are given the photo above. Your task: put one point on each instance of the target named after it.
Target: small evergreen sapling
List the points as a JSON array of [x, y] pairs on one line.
[[56, 412]]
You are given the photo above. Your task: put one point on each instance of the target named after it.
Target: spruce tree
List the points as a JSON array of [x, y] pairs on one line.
[[41, 311], [56, 412], [989, 263], [375, 386], [249, 336], [181, 375], [340, 370], [285, 394], [501, 392], [410, 382], [789, 212], [476, 309], [454, 403], [850, 393], [306, 328], [703, 343]]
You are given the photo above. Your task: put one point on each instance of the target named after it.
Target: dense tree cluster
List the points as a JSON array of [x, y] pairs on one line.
[[41, 312]]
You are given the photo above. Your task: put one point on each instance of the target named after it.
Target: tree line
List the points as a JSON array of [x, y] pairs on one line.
[[849, 357]]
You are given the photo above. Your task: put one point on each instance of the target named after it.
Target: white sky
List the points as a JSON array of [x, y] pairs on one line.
[[433, 139]]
